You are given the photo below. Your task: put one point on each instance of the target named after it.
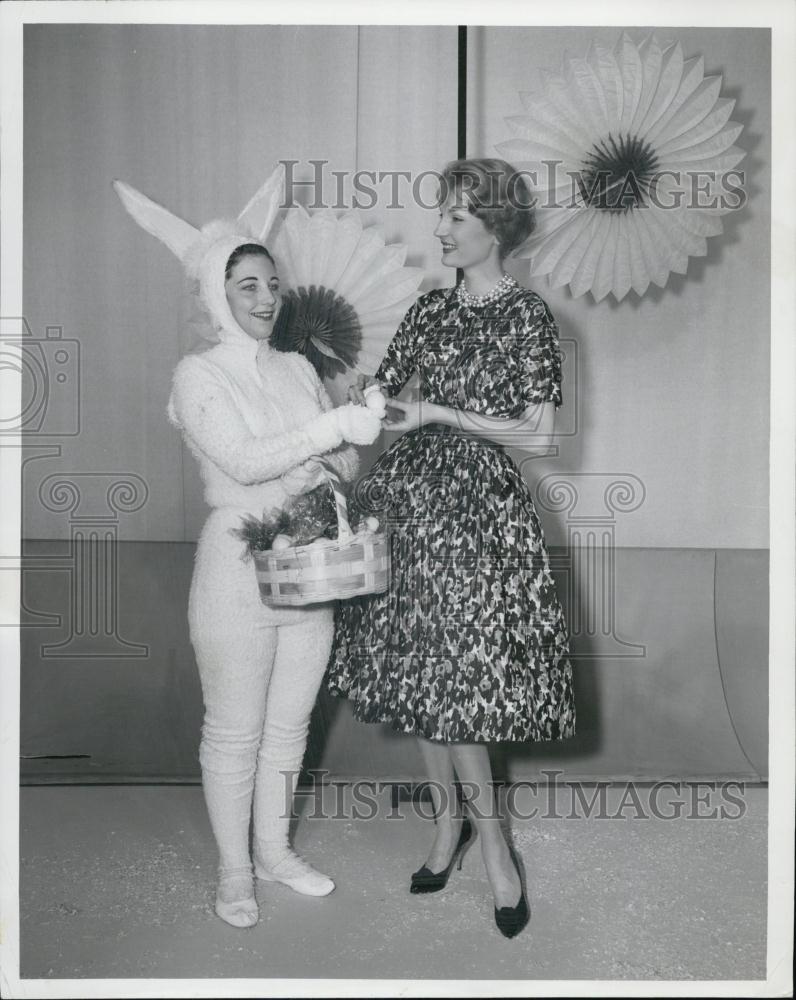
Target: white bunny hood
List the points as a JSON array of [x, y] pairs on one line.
[[204, 252], [207, 263]]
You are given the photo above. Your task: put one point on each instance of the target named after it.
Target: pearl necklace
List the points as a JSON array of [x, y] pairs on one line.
[[505, 284]]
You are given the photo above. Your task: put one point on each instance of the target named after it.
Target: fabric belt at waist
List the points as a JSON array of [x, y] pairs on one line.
[[447, 430]]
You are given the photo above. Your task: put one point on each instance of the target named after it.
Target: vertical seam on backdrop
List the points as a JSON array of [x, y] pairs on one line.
[[461, 92], [721, 673], [358, 111], [461, 105], [184, 491]]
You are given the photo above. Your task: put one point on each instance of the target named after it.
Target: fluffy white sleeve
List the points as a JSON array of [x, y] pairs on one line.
[[345, 458], [203, 407]]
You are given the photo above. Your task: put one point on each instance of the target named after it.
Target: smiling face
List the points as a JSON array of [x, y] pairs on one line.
[[466, 242], [253, 295]]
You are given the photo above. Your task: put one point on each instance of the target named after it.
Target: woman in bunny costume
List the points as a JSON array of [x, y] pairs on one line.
[[254, 418]]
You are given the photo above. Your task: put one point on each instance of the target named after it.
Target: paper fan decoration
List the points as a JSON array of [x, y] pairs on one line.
[[623, 143], [347, 290]]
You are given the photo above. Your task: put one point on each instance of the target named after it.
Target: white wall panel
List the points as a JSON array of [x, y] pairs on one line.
[[195, 117], [673, 387]]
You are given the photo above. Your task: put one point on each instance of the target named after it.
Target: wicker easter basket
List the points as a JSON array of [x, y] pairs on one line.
[[313, 574]]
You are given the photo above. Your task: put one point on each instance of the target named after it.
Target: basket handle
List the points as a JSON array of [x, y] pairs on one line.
[[344, 532]]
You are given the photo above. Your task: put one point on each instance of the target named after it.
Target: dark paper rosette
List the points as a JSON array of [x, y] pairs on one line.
[[322, 326]]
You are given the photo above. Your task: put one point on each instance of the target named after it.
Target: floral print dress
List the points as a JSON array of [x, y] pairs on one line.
[[469, 643]]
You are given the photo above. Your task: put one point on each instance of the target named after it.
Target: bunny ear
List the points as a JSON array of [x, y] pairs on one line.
[[178, 235], [259, 215]]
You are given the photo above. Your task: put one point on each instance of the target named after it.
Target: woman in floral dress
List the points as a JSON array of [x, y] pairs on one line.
[[469, 645]]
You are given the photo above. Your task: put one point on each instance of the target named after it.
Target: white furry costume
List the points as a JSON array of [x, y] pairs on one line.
[[253, 417]]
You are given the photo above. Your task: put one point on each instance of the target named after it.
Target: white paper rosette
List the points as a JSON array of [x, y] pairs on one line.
[[346, 290], [645, 156]]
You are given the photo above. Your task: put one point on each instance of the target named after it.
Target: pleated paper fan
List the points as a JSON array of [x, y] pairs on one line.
[[634, 154], [346, 290]]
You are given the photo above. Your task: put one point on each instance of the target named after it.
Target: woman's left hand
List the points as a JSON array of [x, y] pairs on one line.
[[407, 416]]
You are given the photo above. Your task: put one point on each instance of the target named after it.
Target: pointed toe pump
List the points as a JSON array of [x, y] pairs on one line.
[[510, 920], [424, 880]]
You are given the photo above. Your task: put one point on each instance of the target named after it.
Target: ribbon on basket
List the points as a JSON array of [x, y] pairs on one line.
[[344, 532]]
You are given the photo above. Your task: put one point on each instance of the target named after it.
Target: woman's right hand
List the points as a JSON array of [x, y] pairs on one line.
[[356, 391]]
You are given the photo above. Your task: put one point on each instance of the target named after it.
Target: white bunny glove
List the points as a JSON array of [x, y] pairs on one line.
[[356, 424]]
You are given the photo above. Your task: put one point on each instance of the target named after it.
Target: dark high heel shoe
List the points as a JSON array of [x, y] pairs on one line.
[[510, 920], [424, 880]]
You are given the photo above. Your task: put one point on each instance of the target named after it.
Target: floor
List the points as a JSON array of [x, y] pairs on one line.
[[117, 882]]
